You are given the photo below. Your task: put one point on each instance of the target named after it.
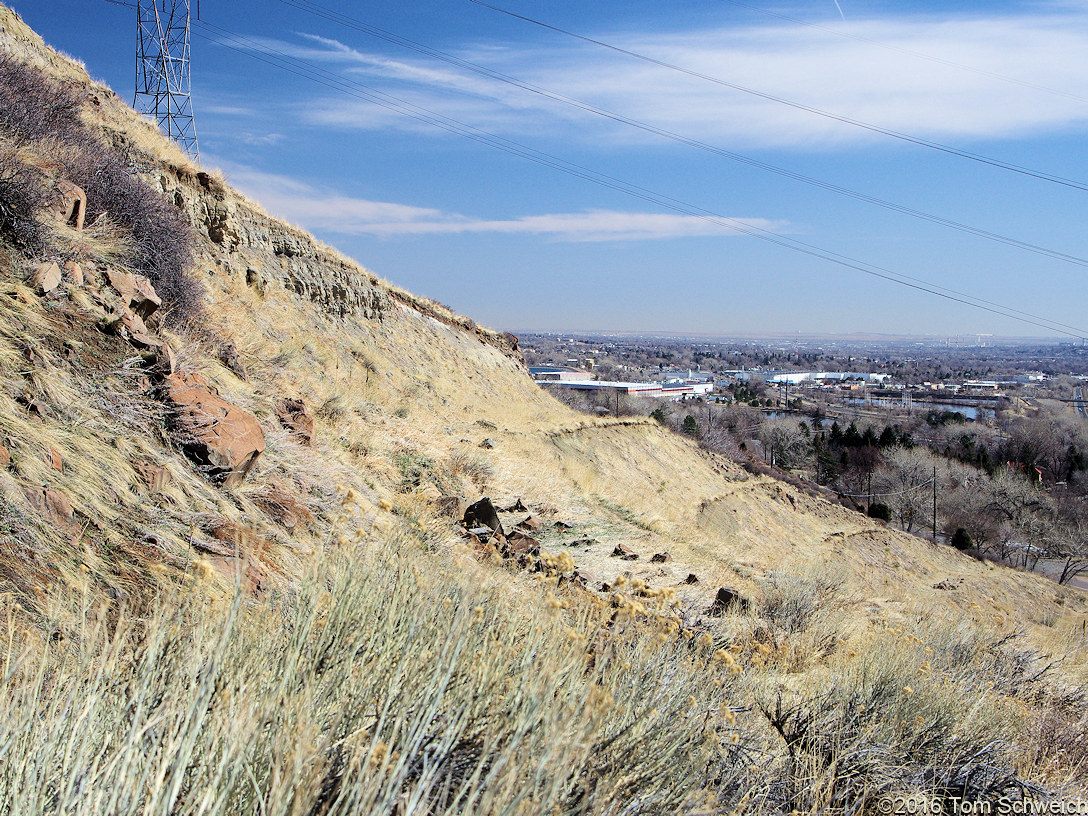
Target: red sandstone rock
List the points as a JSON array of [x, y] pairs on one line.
[[218, 436]]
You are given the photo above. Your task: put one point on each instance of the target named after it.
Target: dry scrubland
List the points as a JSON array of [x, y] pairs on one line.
[[319, 639]]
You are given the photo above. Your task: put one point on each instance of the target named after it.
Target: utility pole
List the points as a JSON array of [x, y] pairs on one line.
[[163, 86]]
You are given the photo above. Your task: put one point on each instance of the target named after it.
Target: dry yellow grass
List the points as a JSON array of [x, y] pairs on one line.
[[402, 399]]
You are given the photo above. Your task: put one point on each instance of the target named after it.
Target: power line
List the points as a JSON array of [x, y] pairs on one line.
[[334, 81], [911, 489], [356, 24], [910, 53], [906, 137]]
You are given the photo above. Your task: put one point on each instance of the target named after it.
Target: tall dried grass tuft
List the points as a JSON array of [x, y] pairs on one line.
[[378, 684]]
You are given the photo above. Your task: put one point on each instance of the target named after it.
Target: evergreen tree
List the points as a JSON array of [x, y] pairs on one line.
[[836, 434], [888, 437], [852, 438]]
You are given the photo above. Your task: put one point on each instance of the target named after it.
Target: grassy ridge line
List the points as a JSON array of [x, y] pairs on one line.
[[115, 120]]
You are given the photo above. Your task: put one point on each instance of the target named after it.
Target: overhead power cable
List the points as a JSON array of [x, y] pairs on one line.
[[910, 489], [909, 52], [314, 73], [351, 22], [906, 137]]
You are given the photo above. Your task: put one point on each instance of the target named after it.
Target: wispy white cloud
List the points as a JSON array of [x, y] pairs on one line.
[[227, 110], [329, 211], [858, 78]]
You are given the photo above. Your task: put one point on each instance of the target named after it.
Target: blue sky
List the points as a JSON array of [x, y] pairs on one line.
[[519, 246]]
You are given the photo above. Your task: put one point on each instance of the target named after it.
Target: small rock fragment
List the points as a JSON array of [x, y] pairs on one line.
[[51, 503], [521, 543], [728, 599], [530, 524], [46, 278], [230, 358], [948, 584], [483, 513], [293, 415], [70, 204], [154, 476], [136, 292], [583, 542], [221, 438]]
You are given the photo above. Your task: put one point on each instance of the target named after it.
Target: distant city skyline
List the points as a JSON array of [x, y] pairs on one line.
[[515, 243]]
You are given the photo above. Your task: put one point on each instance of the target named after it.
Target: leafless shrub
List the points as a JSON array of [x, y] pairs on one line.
[[38, 112], [1058, 744], [883, 729], [31, 107], [791, 601], [22, 195], [333, 409]]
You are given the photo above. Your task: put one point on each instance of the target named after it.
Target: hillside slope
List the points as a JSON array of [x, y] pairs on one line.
[[416, 411]]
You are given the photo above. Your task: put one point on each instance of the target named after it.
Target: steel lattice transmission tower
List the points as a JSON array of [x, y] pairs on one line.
[[162, 69]]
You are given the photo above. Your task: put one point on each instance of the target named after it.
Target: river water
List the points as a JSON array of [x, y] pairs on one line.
[[917, 406]]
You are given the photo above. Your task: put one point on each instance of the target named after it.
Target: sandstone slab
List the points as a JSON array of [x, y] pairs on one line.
[[221, 438]]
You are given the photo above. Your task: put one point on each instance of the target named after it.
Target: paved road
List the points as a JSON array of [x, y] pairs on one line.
[[1078, 402]]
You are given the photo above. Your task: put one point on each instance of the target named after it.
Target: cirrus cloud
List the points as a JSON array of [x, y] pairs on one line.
[[980, 77], [329, 211]]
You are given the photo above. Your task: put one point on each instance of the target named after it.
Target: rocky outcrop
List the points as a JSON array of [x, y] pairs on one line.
[[69, 205], [222, 440], [273, 251]]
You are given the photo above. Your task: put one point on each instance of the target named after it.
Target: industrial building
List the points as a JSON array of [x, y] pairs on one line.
[[674, 389]]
